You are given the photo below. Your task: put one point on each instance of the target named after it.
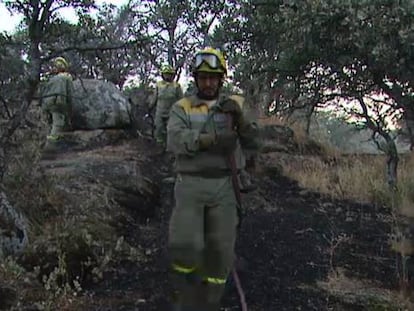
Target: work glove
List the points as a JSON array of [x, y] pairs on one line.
[[206, 140], [226, 142], [229, 105]]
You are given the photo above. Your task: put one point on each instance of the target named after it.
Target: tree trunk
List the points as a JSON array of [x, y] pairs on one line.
[[392, 163], [409, 121]]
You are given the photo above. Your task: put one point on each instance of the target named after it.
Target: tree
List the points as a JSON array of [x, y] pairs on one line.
[[38, 16], [329, 50], [322, 41], [177, 28]]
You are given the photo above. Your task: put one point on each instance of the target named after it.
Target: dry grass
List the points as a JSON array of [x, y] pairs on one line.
[[338, 177], [406, 186], [361, 178], [363, 293], [358, 177]]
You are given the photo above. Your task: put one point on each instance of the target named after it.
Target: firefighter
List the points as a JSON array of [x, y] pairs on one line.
[[167, 93], [57, 99], [204, 131]]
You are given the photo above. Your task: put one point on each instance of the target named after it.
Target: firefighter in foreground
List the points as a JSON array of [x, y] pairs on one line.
[[57, 100], [206, 131], [167, 93]]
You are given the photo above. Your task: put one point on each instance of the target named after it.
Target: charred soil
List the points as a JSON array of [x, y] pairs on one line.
[[297, 249]]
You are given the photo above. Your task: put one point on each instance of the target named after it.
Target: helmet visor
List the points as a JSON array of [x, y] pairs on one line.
[[210, 59]]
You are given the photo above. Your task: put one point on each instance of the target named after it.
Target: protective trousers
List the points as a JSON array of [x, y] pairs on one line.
[[161, 118], [201, 241]]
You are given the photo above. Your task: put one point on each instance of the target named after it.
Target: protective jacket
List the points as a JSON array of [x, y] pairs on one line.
[[57, 97], [188, 118], [167, 93], [57, 93]]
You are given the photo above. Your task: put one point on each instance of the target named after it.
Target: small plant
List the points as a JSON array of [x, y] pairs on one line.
[[59, 287]]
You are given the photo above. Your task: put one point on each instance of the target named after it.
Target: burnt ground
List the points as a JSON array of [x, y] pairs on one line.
[[299, 249]]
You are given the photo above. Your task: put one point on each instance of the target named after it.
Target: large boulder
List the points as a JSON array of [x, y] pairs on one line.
[[99, 104], [13, 228], [277, 138]]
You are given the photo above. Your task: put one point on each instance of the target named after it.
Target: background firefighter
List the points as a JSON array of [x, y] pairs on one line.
[[57, 99], [167, 92], [204, 220]]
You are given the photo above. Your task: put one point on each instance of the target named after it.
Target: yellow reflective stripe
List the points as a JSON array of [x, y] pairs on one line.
[[54, 137], [182, 269], [187, 105], [216, 281]]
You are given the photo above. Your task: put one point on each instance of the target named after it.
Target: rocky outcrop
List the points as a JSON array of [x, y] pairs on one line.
[[277, 138], [94, 193], [99, 104], [13, 228], [280, 138], [102, 161]]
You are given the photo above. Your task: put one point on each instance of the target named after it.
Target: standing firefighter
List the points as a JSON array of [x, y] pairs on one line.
[[57, 99], [167, 93], [204, 132]]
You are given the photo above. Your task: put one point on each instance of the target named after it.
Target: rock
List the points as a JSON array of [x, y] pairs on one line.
[[99, 104], [82, 140], [13, 228], [278, 138], [279, 132], [116, 169]]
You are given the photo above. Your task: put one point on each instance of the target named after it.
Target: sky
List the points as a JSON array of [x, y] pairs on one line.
[[9, 22]]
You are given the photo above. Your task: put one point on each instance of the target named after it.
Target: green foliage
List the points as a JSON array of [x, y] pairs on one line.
[[331, 50], [11, 76], [340, 134]]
